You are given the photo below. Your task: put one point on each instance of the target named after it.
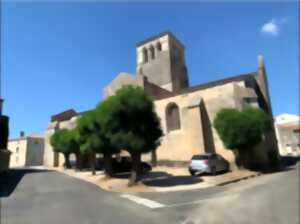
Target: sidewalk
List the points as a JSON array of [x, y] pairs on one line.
[[160, 179]]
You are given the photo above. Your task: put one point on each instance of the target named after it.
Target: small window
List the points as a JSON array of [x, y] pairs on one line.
[[172, 117], [250, 100], [145, 55], [158, 46], [152, 53], [17, 150]]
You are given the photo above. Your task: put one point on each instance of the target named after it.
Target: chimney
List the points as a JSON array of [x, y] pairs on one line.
[[22, 134], [261, 62]]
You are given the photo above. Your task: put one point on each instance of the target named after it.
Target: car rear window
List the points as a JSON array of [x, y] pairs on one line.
[[200, 157]]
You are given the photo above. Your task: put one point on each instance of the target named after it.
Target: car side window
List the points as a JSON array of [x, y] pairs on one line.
[[219, 157], [214, 157]]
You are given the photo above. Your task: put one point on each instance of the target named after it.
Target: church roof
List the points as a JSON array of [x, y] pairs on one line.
[[207, 85], [64, 116]]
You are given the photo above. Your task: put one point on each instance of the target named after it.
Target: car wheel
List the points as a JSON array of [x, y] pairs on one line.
[[145, 170], [213, 170], [192, 173]]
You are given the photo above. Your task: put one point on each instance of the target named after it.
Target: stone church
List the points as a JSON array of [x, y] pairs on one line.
[[186, 112]]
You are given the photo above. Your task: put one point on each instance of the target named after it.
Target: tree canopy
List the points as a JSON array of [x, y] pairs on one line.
[[133, 123], [241, 129], [65, 141], [93, 134]]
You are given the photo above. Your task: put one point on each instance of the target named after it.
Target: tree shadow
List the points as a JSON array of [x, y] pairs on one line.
[[123, 175], [10, 179], [162, 179], [287, 161], [219, 173]]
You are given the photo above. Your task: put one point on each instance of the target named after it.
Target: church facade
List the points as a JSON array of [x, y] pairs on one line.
[[186, 112]]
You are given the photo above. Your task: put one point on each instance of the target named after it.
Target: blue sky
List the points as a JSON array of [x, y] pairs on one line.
[[58, 55]]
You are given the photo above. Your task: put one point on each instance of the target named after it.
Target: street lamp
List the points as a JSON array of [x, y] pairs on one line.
[[1, 100]]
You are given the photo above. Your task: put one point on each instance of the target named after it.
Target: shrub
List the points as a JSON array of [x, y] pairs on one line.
[[241, 129]]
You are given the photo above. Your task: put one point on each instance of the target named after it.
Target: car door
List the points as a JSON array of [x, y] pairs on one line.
[[222, 162], [214, 162]]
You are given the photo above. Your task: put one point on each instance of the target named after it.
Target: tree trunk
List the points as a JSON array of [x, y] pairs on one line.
[[78, 161], [108, 165], [154, 158], [136, 169], [243, 158], [93, 163], [67, 161]]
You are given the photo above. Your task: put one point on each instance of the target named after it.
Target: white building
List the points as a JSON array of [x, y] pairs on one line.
[[287, 128], [26, 150]]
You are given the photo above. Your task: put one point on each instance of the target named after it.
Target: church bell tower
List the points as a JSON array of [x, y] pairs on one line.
[[161, 60]]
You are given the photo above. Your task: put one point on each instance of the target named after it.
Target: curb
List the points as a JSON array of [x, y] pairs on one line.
[[239, 179], [154, 190]]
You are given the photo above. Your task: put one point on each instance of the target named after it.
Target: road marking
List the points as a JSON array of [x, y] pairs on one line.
[[200, 201], [154, 205], [143, 201]]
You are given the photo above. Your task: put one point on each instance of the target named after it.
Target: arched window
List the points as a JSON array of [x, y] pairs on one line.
[[158, 46], [145, 55], [152, 53], [172, 117]]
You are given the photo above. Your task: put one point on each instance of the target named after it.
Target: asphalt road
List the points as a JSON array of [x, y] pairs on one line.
[[37, 196]]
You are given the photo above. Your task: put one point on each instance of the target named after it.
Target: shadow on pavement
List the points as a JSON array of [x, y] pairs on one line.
[[10, 179], [162, 179]]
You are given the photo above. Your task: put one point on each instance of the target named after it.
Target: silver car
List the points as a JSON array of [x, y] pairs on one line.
[[208, 163]]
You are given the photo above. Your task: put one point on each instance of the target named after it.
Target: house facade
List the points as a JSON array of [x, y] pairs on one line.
[[287, 128], [26, 150]]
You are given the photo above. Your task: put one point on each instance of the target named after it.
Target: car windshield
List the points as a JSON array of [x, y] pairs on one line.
[[201, 157]]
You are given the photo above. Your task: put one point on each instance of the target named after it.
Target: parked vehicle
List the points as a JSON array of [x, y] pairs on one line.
[[208, 163], [124, 164]]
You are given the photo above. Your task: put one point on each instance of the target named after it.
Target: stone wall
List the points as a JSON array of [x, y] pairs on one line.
[[123, 79], [197, 134], [197, 110]]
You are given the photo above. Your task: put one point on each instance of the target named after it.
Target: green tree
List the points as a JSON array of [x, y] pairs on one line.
[[86, 137], [64, 141], [93, 137], [241, 130], [132, 125]]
